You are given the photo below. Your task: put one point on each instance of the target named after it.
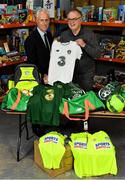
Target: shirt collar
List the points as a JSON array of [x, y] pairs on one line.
[[41, 32], [80, 32]]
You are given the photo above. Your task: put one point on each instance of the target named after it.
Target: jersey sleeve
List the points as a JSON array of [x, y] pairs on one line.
[[54, 44]]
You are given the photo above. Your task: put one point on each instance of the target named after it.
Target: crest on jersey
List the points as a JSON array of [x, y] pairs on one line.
[[49, 95]]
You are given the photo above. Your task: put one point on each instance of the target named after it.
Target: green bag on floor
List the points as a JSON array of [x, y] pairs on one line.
[[15, 100], [83, 104]]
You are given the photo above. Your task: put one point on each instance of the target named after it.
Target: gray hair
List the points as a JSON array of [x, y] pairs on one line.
[[39, 10]]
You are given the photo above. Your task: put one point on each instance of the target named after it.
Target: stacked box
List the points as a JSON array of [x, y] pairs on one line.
[[81, 3], [110, 14], [65, 165], [121, 13]]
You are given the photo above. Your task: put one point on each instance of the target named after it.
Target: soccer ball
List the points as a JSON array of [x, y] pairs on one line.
[[106, 91], [115, 103]]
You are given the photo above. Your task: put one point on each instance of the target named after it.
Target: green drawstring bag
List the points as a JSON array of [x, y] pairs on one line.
[[82, 104], [15, 100]]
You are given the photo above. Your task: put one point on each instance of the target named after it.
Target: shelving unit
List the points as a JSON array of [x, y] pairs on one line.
[[17, 25], [99, 24], [10, 63], [53, 22], [31, 24], [103, 24], [116, 24], [112, 60]]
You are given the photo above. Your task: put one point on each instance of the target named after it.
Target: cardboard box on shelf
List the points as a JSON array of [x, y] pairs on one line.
[[65, 165]]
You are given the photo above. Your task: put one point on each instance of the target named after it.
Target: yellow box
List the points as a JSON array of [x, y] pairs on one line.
[[65, 165]]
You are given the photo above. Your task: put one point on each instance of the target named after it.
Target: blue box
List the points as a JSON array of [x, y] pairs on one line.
[[121, 13]]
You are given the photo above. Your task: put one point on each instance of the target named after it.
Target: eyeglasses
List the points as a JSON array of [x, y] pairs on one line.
[[73, 19]]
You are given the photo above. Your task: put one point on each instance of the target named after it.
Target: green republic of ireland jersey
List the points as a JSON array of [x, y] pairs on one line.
[[43, 106]]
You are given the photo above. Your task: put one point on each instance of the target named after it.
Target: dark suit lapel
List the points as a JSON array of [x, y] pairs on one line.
[[41, 42], [40, 39], [49, 38]]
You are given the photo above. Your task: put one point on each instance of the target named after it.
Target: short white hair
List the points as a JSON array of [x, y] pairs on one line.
[[39, 10]]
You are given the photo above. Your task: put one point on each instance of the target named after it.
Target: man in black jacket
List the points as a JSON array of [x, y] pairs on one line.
[[86, 39], [36, 47]]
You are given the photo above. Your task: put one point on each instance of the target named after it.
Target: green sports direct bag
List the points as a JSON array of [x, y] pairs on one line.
[[15, 100], [83, 104]]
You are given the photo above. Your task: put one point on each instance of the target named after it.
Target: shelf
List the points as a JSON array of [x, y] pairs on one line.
[[31, 24], [103, 24], [113, 24], [111, 60], [17, 25], [22, 60]]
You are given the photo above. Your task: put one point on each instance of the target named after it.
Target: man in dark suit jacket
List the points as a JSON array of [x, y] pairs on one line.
[[35, 46], [38, 50]]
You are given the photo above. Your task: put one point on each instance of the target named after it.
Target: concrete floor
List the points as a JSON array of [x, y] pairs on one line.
[[27, 169]]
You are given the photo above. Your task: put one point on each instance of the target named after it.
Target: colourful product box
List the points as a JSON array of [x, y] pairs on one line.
[[121, 13]]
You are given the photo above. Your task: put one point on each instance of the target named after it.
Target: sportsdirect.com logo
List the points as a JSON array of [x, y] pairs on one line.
[[102, 145], [51, 139], [81, 145]]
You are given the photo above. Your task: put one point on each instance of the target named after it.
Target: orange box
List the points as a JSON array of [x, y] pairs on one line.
[[65, 165]]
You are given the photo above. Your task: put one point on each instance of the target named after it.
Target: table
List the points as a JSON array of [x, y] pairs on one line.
[[23, 124], [100, 114], [104, 114]]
